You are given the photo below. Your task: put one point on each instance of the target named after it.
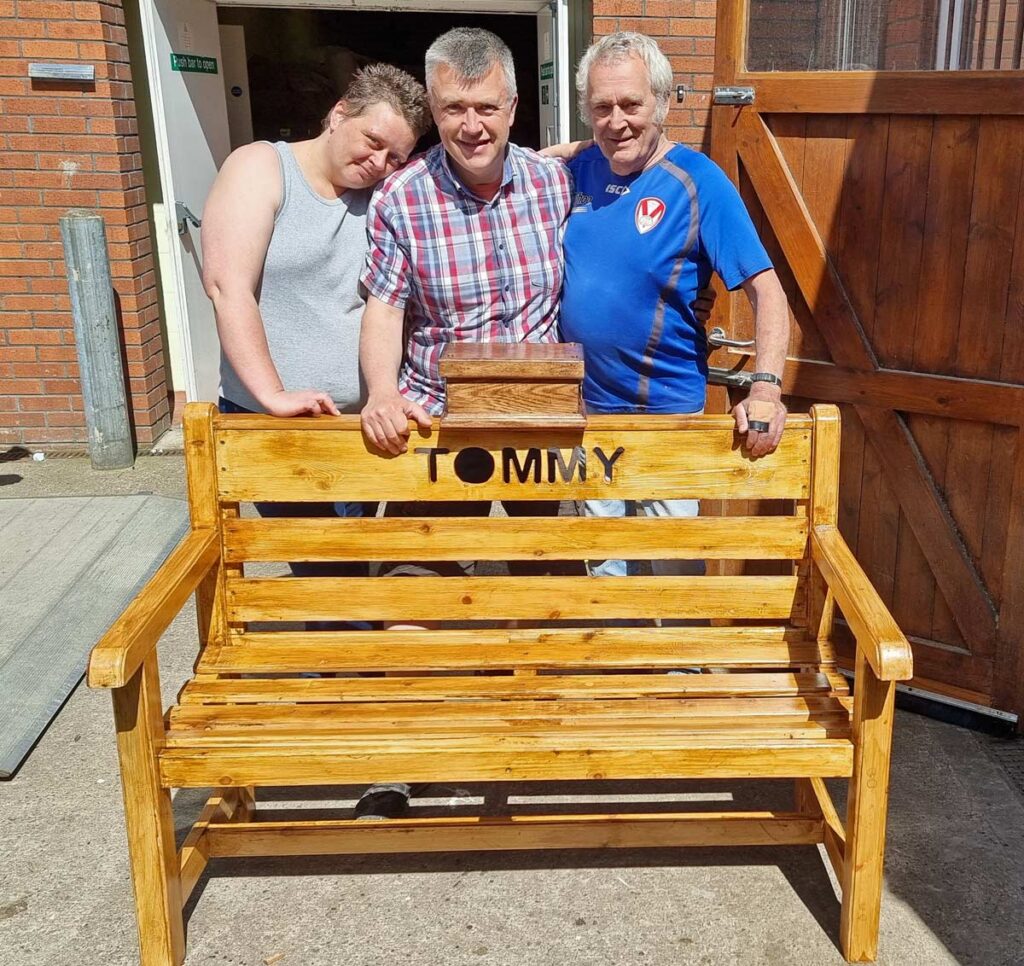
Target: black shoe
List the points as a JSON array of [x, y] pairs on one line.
[[384, 801]]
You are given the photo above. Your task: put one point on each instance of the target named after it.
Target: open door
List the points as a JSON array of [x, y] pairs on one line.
[[553, 66], [891, 200], [185, 67]]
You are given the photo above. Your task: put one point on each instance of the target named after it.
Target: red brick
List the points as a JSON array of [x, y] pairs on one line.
[[13, 353], [35, 370], [20, 197], [613, 8], [59, 125], [652, 26], [17, 420], [70, 199], [44, 250], [48, 10], [49, 435], [20, 387], [75, 30], [65, 419], [57, 354], [56, 49], [24, 267], [62, 385], [43, 404], [40, 337]]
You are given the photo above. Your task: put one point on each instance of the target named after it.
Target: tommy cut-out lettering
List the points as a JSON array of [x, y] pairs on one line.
[[534, 465]]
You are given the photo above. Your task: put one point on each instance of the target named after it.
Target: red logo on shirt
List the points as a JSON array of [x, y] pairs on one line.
[[649, 212]]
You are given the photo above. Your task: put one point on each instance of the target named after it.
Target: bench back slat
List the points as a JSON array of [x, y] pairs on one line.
[[673, 459], [502, 538]]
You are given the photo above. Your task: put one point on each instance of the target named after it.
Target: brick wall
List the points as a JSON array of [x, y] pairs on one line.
[[685, 31], [63, 146]]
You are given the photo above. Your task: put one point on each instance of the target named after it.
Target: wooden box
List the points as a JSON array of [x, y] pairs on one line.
[[513, 385]]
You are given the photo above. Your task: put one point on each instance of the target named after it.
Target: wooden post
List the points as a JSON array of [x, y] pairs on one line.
[[873, 705], [149, 819], [97, 340]]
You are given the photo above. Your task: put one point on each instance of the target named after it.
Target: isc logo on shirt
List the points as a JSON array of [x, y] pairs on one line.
[[649, 212], [616, 189]]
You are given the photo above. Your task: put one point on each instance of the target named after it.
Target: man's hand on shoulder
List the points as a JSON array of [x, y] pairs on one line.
[[385, 419], [762, 405], [300, 402]]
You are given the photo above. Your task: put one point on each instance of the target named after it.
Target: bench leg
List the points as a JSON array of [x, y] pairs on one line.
[[149, 820], [865, 816]]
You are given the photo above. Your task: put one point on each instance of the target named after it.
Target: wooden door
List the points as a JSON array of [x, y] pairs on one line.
[[892, 204]]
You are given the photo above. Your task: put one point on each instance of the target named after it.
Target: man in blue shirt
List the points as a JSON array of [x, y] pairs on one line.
[[651, 221]]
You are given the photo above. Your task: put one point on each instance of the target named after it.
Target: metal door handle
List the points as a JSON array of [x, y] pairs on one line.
[[717, 340], [185, 218]]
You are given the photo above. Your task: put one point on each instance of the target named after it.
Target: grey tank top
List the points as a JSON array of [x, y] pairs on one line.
[[309, 296]]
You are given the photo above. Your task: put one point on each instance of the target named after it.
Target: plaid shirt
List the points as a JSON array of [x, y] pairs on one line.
[[466, 269]]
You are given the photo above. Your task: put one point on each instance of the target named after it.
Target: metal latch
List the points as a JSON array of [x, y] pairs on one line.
[[185, 218], [718, 340], [733, 95], [734, 378]]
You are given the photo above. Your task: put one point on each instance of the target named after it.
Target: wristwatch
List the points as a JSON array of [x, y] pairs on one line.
[[766, 377]]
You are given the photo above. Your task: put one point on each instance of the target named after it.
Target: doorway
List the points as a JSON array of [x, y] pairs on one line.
[[223, 75], [297, 62]]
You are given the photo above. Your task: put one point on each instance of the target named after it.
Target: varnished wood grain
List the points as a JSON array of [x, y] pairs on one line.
[[877, 634], [149, 818], [510, 598], [696, 460], [874, 706], [504, 538], [666, 830], [690, 758], [525, 361], [886, 92]]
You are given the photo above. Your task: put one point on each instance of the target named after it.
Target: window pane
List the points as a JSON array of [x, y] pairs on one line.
[[885, 35]]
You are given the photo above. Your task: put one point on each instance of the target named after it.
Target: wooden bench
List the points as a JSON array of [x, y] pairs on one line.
[[564, 700]]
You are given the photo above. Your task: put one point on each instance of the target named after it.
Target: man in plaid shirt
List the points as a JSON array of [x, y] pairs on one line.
[[466, 240]]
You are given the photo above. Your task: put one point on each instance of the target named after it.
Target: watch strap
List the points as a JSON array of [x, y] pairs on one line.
[[766, 377]]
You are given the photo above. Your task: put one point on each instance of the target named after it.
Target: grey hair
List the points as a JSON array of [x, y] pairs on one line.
[[620, 46], [471, 53]]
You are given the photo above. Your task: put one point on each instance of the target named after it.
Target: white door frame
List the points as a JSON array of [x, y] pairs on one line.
[[164, 214]]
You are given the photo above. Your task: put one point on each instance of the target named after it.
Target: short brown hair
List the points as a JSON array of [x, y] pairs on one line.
[[385, 84]]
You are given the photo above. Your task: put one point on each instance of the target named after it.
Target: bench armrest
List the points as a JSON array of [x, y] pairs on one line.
[[878, 635], [120, 652]]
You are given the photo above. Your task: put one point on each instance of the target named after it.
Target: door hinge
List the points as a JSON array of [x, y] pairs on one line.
[[733, 95]]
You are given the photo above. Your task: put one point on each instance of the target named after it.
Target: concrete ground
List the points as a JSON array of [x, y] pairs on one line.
[[954, 871]]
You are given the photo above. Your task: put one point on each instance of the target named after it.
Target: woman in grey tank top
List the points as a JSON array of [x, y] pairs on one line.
[[284, 240]]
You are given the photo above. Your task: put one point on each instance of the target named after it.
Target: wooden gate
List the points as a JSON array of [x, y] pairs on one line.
[[892, 205]]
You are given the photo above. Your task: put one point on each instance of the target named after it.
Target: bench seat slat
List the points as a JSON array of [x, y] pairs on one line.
[[504, 538], [422, 656], [511, 598], [564, 731], [298, 690], [401, 713], [684, 757]]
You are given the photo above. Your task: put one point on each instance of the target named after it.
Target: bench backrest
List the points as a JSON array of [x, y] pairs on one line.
[[257, 458]]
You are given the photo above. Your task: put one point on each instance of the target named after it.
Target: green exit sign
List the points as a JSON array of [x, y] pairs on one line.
[[191, 64]]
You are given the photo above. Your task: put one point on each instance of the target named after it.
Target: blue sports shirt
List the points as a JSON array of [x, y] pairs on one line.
[[638, 248]]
